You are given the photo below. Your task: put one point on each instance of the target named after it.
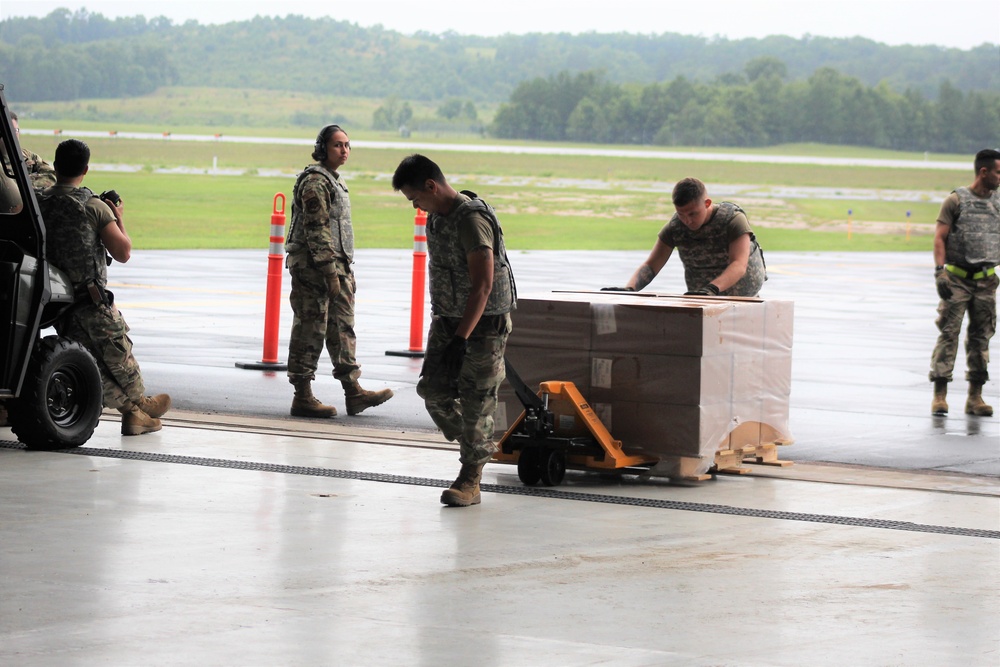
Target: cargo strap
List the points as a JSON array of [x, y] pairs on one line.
[[969, 275]]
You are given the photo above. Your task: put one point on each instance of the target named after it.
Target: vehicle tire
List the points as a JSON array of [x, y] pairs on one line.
[[528, 466], [61, 399], [552, 467]]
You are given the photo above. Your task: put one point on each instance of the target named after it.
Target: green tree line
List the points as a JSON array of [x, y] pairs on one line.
[[757, 107], [42, 58]]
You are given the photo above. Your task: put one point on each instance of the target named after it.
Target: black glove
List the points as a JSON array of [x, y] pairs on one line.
[[707, 290], [617, 289], [453, 356], [941, 282]]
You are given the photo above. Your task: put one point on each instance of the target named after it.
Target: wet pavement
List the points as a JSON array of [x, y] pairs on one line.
[[864, 330]]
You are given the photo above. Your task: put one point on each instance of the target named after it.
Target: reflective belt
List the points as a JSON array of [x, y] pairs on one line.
[[962, 273]]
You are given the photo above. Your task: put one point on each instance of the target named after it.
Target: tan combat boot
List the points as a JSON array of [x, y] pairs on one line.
[[939, 406], [975, 404], [304, 404], [137, 422], [464, 491], [155, 406], [359, 400]]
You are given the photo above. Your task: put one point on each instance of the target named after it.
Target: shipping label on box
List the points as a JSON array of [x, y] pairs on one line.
[[600, 372], [603, 317]]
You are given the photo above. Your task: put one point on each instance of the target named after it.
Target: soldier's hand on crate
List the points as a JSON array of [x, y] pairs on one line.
[[707, 290]]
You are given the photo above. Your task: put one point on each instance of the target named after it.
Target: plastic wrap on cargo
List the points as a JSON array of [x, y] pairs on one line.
[[677, 377]]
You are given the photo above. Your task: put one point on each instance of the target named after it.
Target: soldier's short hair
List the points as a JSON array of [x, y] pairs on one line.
[[414, 172], [986, 158], [72, 158], [687, 190]]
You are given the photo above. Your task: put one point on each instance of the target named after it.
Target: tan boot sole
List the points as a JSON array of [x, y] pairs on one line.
[[982, 410], [139, 429], [452, 499], [313, 414], [357, 405]]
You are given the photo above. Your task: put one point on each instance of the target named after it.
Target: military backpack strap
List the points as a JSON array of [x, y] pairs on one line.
[[501, 248], [753, 237]]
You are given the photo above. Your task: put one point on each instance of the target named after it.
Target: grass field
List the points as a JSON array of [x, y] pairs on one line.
[[169, 211], [545, 201]]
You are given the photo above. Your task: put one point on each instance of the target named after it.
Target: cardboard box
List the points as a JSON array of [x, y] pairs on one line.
[[657, 429], [676, 377], [652, 378], [551, 324], [663, 326]]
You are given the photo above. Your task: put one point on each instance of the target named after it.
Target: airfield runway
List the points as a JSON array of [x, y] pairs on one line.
[[238, 535]]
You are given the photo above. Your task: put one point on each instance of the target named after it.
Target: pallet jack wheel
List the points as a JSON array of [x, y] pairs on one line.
[[552, 468], [529, 466]]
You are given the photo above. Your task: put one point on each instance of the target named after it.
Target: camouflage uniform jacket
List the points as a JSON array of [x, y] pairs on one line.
[[73, 220], [450, 283], [705, 251], [40, 172], [974, 238], [321, 229]]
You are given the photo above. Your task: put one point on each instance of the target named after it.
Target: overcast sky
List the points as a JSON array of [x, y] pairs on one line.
[[954, 23]]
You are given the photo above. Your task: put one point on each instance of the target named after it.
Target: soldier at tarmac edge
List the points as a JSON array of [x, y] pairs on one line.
[[472, 294], [40, 172], [84, 232], [966, 253], [320, 250], [718, 249]]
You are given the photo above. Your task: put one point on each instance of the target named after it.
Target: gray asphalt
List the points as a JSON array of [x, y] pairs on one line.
[[864, 330]]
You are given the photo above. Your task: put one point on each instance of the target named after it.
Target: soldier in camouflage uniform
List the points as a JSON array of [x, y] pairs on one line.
[[320, 250], [40, 172], [966, 253], [472, 295], [82, 230], [719, 251]]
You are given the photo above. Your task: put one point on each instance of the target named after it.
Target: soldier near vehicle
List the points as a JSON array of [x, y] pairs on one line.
[[966, 253], [84, 233], [320, 249], [472, 295], [40, 172], [719, 251]]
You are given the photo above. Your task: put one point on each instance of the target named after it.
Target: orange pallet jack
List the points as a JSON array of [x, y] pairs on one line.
[[558, 430]]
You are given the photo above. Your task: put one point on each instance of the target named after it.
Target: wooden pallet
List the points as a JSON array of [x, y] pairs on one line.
[[730, 461]]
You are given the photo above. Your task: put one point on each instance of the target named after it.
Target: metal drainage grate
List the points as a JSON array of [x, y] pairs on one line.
[[538, 492]]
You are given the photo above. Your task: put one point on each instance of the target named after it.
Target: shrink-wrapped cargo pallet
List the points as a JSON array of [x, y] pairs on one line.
[[678, 378]]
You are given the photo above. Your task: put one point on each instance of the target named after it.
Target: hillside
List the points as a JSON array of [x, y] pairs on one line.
[[68, 55]]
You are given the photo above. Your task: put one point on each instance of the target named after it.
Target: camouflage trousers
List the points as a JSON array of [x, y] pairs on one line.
[[978, 298], [321, 321], [103, 331], [463, 407]]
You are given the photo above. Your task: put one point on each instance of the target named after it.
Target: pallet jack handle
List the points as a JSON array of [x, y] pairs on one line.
[[528, 398], [538, 420]]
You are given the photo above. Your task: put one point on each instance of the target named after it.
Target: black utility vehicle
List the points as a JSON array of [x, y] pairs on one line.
[[49, 386]]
